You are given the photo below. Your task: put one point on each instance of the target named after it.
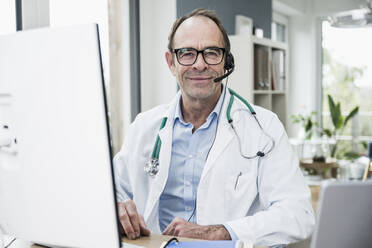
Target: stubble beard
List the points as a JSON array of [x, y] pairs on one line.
[[195, 93]]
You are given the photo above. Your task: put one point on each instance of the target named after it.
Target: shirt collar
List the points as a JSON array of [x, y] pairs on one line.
[[215, 112]]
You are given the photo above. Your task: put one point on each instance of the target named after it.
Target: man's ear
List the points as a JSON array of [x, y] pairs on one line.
[[170, 62]]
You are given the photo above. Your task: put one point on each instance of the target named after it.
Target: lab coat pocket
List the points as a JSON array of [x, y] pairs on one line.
[[240, 192]]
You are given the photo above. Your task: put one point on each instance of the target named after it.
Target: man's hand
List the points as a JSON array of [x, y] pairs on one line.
[[182, 228], [133, 224]]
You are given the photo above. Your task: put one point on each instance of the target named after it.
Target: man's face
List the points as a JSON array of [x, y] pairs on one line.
[[196, 81]]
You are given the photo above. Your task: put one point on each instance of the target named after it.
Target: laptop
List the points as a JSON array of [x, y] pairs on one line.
[[345, 216]]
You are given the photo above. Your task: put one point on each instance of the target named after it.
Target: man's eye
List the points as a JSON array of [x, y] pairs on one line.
[[186, 54], [211, 53]]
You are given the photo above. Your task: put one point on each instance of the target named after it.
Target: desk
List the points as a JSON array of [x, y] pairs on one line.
[[314, 196], [153, 241]]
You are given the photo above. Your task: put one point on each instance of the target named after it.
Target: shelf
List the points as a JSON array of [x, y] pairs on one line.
[[263, 62], [278, 92], [261, 91], [263, 101], [269, 43], [274, 92]]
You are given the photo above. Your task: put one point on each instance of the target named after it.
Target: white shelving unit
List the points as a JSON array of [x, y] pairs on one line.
[[261, 72]]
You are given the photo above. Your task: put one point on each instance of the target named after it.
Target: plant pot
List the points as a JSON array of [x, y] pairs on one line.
[[356, 170]]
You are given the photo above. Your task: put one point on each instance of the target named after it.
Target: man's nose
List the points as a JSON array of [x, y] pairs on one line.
[[200, 63]]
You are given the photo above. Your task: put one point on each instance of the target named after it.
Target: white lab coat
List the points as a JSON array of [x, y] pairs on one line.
[[270, 203]]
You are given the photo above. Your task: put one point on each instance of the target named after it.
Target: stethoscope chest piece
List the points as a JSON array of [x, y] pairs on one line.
[[152, 167]]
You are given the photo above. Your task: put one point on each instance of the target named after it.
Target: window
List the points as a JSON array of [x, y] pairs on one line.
[[347, 77], [279, 26]]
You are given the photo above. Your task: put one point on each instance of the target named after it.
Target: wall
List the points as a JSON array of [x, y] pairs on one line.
[[303, 66], [258, 10], [326, 7], [290, 7], [157, 83]]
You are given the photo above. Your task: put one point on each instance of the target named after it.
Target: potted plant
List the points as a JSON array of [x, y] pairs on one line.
[[308, 123], [309, 134], [339, 122]]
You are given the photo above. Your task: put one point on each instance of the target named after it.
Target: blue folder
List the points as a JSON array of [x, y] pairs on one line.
[[206, 244]]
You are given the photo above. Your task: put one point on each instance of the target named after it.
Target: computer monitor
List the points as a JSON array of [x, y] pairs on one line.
[[56, 174]]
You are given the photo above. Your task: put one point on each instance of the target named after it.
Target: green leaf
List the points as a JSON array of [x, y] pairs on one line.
[[351, 114], [327, 132], [340, 120], [351, 155], [364, 144], [309, 125], [334, 113]]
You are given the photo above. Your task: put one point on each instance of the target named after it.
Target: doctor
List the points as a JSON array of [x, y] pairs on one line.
[[219, 169]]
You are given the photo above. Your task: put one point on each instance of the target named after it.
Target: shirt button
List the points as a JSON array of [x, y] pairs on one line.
[[187, 183], [190, 156]]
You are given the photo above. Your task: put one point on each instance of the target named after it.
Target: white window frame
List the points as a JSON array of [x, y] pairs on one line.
[[281, 19]]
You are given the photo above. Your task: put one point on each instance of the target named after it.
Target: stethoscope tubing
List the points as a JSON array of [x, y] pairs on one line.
[[152, 167]]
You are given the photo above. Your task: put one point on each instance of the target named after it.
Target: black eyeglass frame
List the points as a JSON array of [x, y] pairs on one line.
[[175, 51]]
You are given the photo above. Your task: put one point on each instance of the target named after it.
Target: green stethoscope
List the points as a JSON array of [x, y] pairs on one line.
[[152, 167]]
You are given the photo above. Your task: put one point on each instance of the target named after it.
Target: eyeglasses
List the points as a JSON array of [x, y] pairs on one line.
[[188, 55]]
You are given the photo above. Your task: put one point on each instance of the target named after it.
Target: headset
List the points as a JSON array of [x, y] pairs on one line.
[[229, 66], [229, 61]]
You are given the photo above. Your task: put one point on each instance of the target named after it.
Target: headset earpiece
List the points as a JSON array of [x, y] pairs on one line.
[[229, 63], [229, 67]]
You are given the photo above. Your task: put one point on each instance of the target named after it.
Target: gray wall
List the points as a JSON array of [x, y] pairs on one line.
[[258, 10]]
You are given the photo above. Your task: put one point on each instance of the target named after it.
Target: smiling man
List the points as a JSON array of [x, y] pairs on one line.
[[201, 166]]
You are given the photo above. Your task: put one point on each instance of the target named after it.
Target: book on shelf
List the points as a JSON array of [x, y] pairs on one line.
[[278, 70], [261, 70], [273, 86]]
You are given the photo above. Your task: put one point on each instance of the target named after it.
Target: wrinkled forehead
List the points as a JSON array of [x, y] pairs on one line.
[[198, 32]]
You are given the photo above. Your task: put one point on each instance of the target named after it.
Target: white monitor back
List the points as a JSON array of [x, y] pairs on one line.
[[56, 179]]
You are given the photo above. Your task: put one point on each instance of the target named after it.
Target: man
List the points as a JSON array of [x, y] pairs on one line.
[[206, 185]]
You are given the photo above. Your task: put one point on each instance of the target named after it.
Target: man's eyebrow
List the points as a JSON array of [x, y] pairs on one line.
[[207, 47]]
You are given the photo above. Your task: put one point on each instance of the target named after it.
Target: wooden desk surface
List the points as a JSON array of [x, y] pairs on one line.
[[314, 196]]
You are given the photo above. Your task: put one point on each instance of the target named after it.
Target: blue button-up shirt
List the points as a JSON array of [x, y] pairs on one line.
[[189, 154]]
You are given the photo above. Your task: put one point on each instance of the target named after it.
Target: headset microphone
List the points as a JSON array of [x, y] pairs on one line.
[[216, 80], [229, 66]]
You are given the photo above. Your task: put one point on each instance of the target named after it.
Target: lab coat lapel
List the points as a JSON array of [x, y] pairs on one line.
[[224, 136], [157, 183]]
